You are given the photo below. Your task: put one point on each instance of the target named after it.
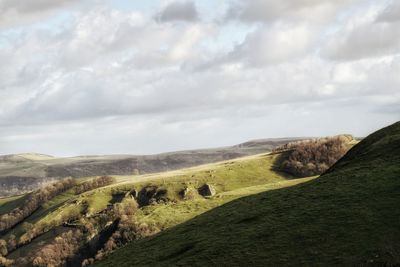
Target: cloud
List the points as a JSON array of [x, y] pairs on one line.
[[178, 11], [391, 13], [371, 40], [271, 45], [374, 34], [271, 10], [19, 12], [112, 75]]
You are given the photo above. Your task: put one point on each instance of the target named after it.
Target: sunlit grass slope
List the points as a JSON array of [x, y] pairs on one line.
[[232, 179], [7, 204], [349, 216]]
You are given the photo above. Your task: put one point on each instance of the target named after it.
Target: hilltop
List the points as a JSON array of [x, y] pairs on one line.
[[22, 173], [346, 217]]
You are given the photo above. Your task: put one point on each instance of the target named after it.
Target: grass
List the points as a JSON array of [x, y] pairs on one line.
[[171, 214], [38, 242], [224, 176], [347, 217], [9, 203], [33, 167], [45, 213], [98, 200], [240, 177], [233, 179]]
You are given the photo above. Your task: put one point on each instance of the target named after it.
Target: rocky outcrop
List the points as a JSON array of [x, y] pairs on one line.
[[207, 190], [150, 195], [188, 193]]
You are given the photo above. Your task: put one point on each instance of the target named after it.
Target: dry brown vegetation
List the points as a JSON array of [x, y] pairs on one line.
[[56, 253], [94, 183], [34, 230], [128, 229], [71, 245], [33, 202], [312, 157]]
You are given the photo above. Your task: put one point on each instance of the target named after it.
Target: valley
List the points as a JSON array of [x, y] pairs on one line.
[[21, 173], [250, 209]]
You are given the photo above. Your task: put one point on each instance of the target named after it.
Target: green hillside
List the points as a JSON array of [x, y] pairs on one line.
[[22, 173], [349, 216], [231, 179]]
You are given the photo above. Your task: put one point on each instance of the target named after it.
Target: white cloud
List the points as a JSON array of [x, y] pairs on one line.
[[114, 75], [372, 34], [348, 73], [275, 44]]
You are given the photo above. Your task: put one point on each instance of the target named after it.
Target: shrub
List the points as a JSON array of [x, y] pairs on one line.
[[56, 253], [3, 248], [312, 157], [93, 184]]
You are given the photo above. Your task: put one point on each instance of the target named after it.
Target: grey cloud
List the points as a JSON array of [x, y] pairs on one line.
[[271, 10], [31, 6], [372, 39], [83, 95], [178, 11], [20, 12], [391, 12]]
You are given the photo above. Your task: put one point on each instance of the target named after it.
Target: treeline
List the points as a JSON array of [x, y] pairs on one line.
[[312, 157], [33, 202], [34, 230], [129, 229], [89, 240], [57, 252], [72, 246], [93, 184], [53, 254]]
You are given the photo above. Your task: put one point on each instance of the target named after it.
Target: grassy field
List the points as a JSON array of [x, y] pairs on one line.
[[171, 214], [232, 179], [347, 217], [224, 176], [21, 173]]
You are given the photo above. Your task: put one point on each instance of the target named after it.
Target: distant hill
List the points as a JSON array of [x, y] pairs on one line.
[[347, 217], [25, 172], [166, 199]]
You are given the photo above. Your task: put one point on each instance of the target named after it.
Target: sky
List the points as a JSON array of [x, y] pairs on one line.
[[84, 77]]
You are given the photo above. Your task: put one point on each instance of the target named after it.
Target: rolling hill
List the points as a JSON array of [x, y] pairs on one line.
[[22, 173], [231, 179], [349, 216]]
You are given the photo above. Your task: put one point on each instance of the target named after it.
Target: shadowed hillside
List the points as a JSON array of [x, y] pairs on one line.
[[347, 217]]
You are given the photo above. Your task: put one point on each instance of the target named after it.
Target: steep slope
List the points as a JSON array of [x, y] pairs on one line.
[[25, 172], [347, 217]]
